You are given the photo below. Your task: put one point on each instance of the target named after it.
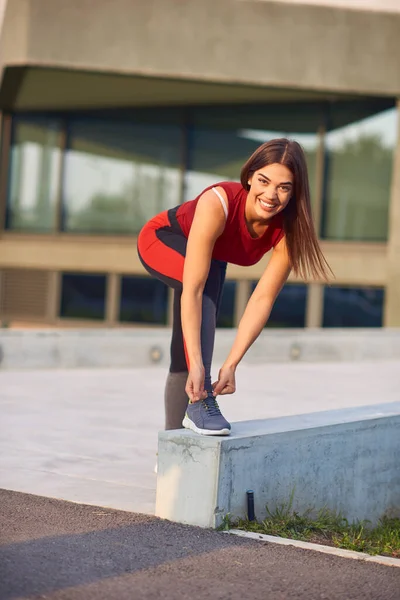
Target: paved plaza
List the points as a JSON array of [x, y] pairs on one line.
[[90, 436]]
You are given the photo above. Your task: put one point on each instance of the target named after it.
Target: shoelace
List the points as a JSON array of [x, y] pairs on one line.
[[211, 406]]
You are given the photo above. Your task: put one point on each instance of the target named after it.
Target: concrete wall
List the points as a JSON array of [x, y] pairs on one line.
[[347, 461], [261, 43], [104, 348], [14, 38]]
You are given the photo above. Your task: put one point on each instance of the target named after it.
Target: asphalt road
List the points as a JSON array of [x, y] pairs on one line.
[[58, 550]]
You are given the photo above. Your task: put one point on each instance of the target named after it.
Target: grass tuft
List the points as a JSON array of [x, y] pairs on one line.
[[325, 527]]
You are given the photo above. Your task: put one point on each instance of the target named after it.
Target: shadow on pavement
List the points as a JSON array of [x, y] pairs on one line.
[[47, 564]]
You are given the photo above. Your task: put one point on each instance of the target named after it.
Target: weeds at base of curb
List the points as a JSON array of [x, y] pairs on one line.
[[325, 527]]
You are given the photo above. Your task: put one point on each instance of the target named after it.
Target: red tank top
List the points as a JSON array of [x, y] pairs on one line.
[[235, 245]]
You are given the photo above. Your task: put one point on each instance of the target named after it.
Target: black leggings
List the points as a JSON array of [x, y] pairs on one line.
[[162, 251]]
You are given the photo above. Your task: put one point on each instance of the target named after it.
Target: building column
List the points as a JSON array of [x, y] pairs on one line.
[[113, 295], [315, 305], [5, 139], [53, 298], [243, 289], [392, 295], [319, 180], [315, 291]]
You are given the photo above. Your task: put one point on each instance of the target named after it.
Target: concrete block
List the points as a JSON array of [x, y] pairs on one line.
[[346, 460]]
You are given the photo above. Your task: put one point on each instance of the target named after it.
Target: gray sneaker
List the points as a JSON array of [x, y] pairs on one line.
[[205, 417]]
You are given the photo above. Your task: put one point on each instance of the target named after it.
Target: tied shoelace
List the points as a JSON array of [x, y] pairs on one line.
[[211, 406]]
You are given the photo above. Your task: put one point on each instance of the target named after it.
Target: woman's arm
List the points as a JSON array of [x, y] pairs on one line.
[[208, 224], [256, 315]]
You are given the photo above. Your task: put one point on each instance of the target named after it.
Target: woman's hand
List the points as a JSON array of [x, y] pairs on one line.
[[195, 383], [226, 383]]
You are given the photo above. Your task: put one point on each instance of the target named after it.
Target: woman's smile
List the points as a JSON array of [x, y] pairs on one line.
[[267, 205]]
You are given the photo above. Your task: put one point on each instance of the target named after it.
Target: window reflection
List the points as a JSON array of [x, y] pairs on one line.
[[119, 174], [34, 174], [121, 170], [353, 307], [358, 178], [143, 300], [218, 155]]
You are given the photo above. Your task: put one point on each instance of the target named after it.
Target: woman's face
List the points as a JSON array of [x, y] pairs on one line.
[[270, 190]]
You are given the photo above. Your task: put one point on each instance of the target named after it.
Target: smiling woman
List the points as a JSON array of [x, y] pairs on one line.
[[188, 248]]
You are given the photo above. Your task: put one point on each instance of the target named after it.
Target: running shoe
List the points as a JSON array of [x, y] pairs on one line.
[[205, 417]]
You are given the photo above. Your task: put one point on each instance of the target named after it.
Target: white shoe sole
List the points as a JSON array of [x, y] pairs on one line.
[[188, 424]]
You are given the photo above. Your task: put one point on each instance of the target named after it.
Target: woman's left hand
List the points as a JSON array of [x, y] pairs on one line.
[[226, 383]]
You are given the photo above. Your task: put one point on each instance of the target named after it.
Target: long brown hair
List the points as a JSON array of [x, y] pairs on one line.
[[301, 239]]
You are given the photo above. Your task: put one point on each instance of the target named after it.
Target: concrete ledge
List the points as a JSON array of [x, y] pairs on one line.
[[347, 460], [103, 348]]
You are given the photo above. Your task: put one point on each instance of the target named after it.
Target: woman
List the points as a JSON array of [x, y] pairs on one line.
[[188, 248]]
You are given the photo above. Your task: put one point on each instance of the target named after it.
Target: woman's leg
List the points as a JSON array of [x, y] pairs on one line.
[[175, 397], [162, 252], [210, 308]]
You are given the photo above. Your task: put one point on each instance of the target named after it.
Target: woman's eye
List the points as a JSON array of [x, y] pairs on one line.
[[262, 181]]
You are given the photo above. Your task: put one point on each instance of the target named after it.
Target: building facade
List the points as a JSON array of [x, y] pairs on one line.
[[112, 112]]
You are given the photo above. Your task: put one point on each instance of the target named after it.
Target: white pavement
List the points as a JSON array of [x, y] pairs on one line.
[[91, 435]]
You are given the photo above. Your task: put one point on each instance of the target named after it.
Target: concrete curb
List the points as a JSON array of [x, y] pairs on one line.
[[383, 560], [143, 347]]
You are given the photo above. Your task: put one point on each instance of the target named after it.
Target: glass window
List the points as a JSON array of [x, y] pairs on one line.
[[35, 163], [359, 161], [226, 313], [218, 153], [143, 300], [118, 174], [353, 307], [289, 309], [83, 296]]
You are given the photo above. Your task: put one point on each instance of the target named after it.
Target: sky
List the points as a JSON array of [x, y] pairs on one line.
[[384, 125]]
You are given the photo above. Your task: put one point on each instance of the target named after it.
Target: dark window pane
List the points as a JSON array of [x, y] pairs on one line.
[[119, 174], [353, 307], [227, 309], [83, 296], [359, 162], [35, 163], [143, 300], [289, 309]]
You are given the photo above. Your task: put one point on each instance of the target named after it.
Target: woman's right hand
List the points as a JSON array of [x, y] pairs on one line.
[[195, 383]]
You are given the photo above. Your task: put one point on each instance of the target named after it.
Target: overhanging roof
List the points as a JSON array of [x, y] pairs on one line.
[[208, 105], [257, 43]]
